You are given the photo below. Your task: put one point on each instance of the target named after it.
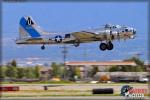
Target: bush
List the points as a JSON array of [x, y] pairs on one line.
[[104, 78]]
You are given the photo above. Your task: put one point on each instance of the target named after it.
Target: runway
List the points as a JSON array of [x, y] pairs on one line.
[[75, 98], [65, 92]]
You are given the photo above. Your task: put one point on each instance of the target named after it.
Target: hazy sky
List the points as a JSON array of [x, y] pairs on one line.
[[75, 16]]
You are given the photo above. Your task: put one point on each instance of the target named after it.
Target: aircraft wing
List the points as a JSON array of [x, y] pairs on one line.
[[86, 36]]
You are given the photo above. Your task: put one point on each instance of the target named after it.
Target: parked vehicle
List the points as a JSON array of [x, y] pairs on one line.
[[143, 79]]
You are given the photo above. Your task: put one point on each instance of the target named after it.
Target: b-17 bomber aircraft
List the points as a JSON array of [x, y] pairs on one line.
[[31, 33]]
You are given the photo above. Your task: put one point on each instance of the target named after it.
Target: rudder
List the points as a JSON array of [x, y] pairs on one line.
[[28, 28]]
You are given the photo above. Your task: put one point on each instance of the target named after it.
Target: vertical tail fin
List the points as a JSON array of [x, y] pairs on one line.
[[28, 28]]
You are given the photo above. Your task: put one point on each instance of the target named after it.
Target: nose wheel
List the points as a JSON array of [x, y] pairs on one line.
[[42, 47], [106, 46]]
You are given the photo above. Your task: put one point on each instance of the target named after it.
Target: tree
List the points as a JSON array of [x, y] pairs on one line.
[[21, 72], [71, 73], [11, 69], [36, 71], [77, 72], [55, 70], [113, 69], [138, 61], [2, 72], [92, 71], [65, 73], [128, 68], [62, 71], [104, 78], [11, 72], [14, 63], [139, 65], [29, 72]]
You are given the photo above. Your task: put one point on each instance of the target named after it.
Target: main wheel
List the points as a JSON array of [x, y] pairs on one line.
[[110, 46], [103, 46], [42, 47], [76, 43]]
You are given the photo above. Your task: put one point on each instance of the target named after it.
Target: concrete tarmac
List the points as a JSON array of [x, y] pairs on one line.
[[75, 98]]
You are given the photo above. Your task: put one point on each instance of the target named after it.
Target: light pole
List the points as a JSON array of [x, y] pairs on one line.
[[64, 52]]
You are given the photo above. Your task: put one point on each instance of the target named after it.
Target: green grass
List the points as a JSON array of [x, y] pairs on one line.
[[60, 95], [42, 93], [42, 82], [54, 95], [53, 91], [69, 82]]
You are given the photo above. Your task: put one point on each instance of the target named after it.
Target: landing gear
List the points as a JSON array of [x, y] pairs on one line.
[[104, 46], [110, 46], [42, 47], [76, 43]]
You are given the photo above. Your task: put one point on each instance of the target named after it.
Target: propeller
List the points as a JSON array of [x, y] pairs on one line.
[[14, 39], [118, 36]]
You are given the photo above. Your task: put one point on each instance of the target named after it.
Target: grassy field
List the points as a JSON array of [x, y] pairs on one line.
[[54, 93], [41, 82], [68, 82], [35, 89]]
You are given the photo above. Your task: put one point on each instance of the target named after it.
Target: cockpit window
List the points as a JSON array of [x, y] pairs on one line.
[[114, 27], [67, 35], [117, 26], [126, 30]]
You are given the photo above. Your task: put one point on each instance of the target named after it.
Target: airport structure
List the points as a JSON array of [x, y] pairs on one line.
[[102, 65]]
